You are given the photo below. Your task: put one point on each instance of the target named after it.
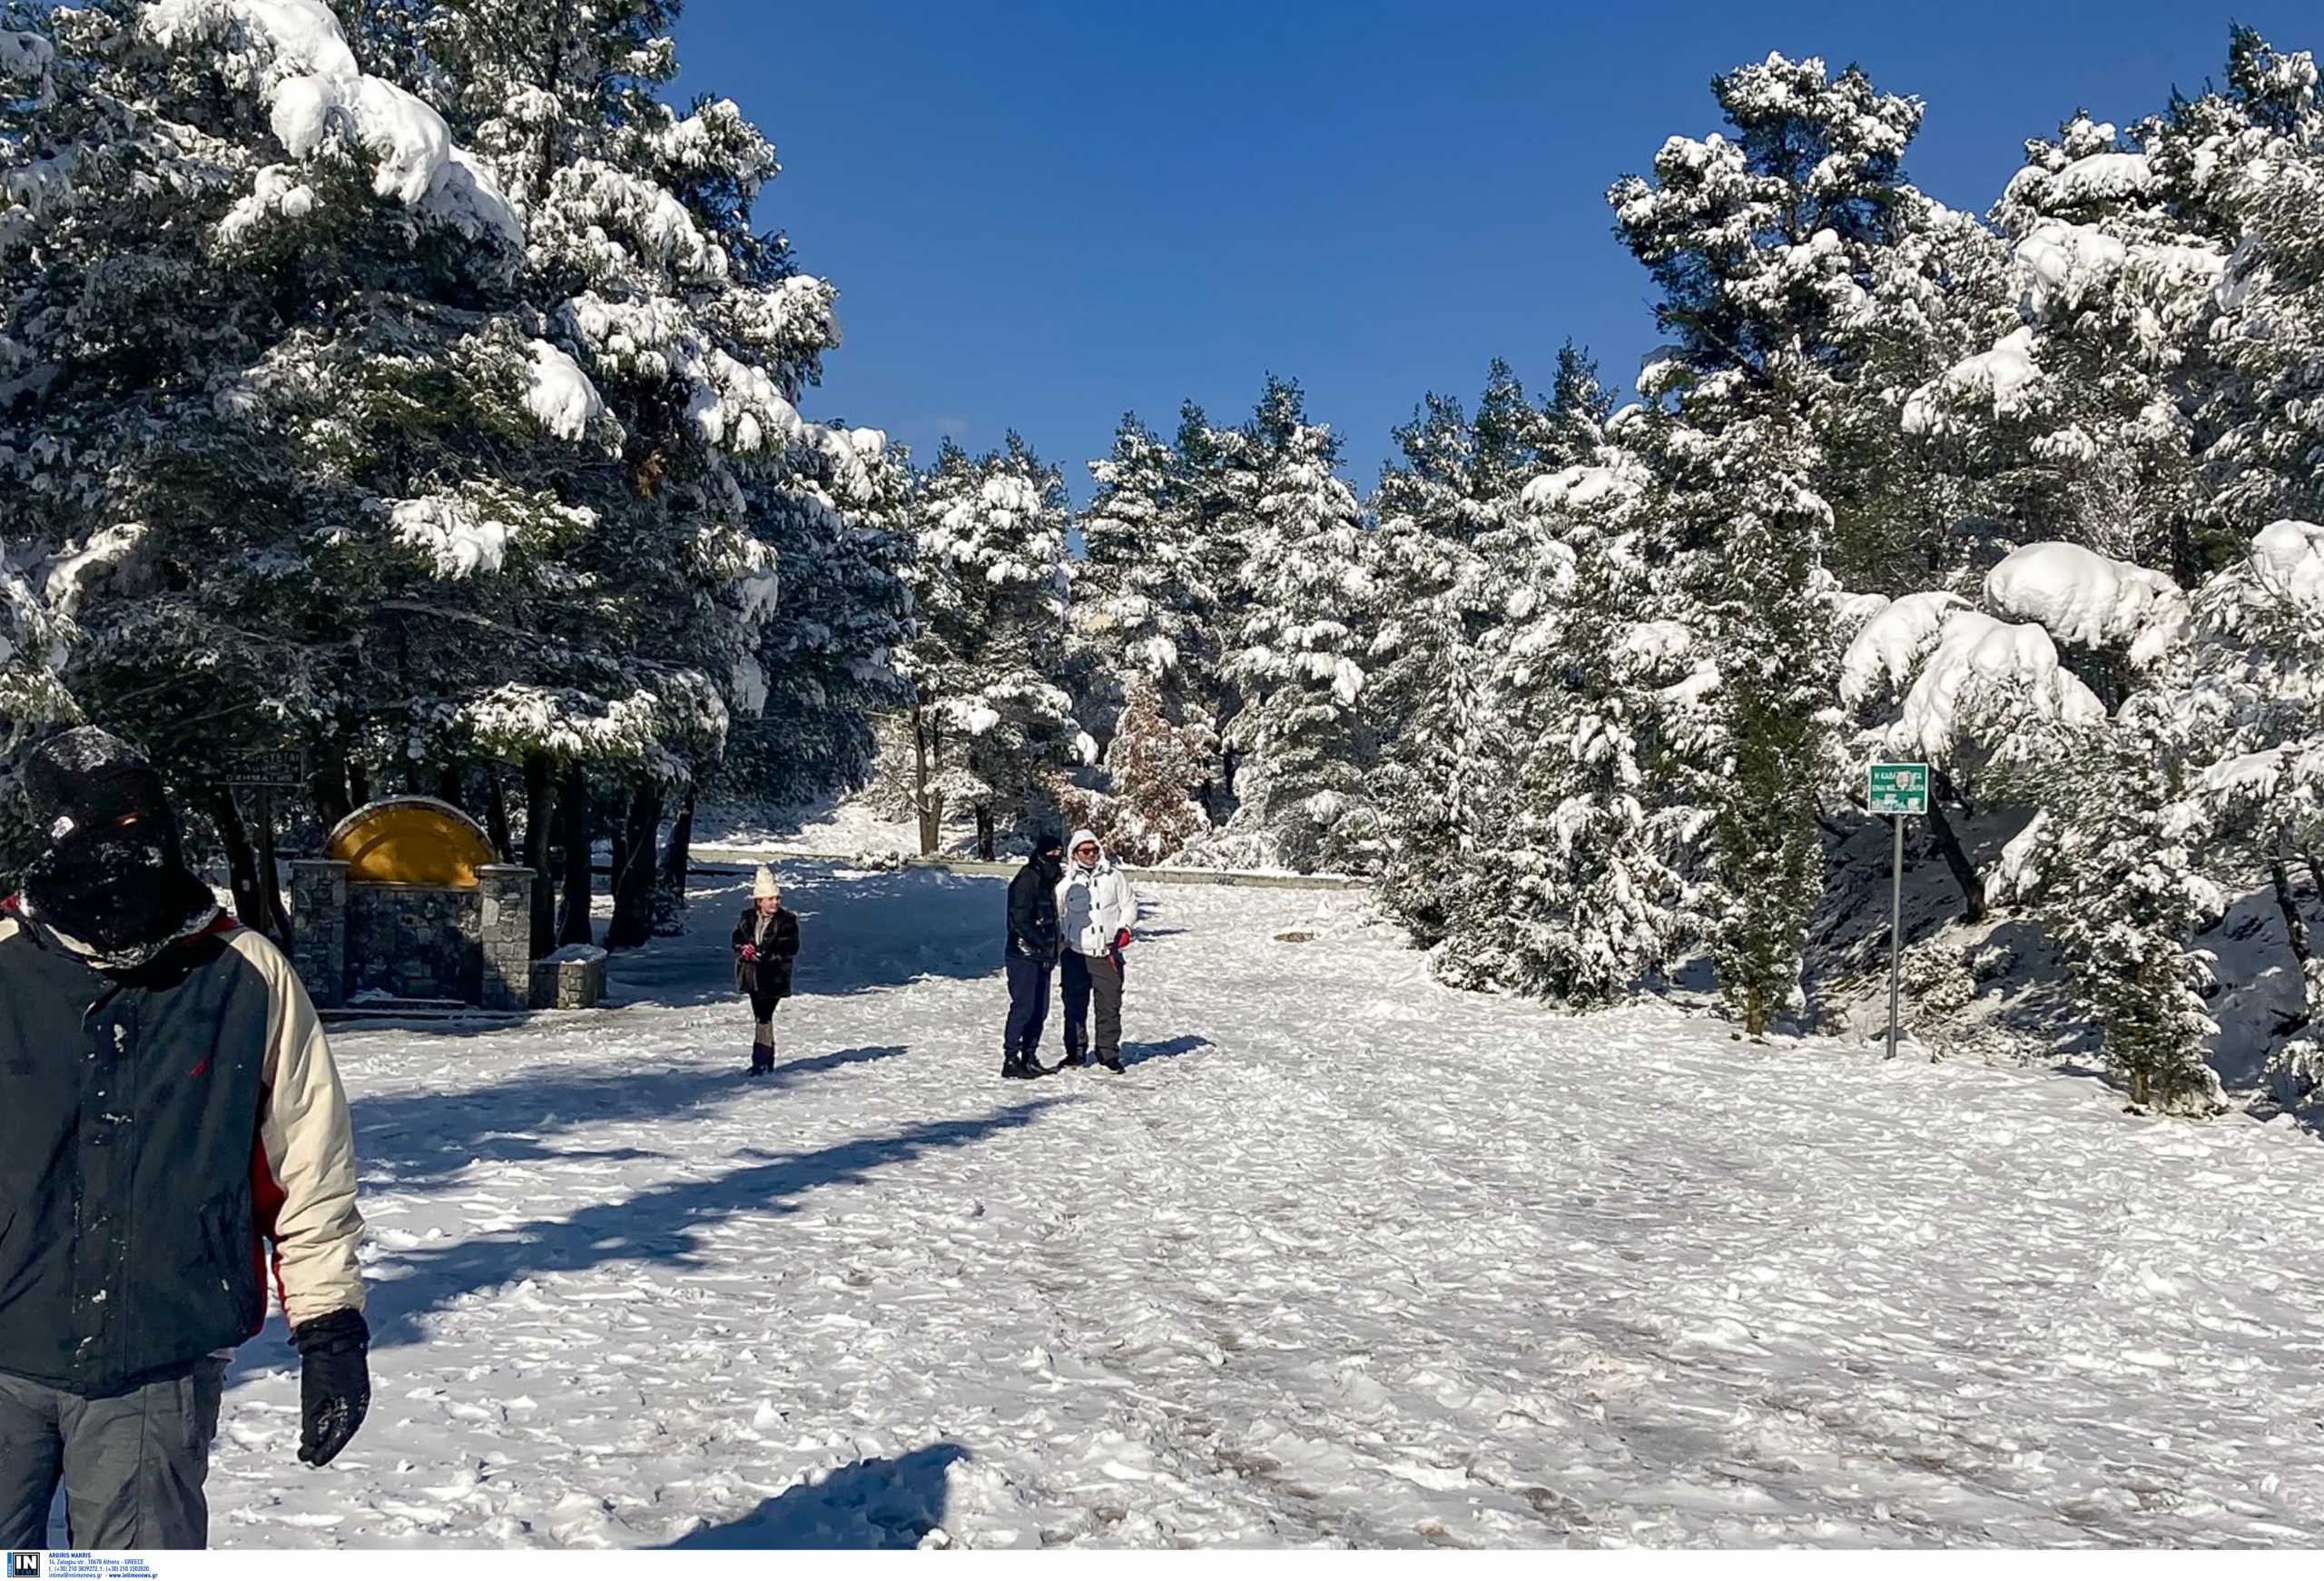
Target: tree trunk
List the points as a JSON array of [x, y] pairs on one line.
[[573, 925], [252, 906], [678, 855], [617, 865], [277, 925], [633, 875], [2295, 924], [926, 804], [987, 846], [358, 782], [540, 794], [1965, 872], [451, 783], [496, 812], [329, 785]]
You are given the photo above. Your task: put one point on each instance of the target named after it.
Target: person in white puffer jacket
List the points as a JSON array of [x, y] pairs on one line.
[[1097, 908]]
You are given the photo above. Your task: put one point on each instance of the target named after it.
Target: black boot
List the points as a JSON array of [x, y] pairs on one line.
[[1075, 1059], [1112, 1062], [761, 1059]]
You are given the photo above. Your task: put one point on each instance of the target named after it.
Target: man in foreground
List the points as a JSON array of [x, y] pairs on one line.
[[171, 1110]]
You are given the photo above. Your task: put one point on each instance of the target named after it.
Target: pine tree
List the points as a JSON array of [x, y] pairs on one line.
[[1765, 246], [2120, 828], [992, 725], [1773, 638], [1141, 615], [456, 382], [1578, 899], [1447, 554], [842, 537], [2260, 658], [1299, 666], [2263, 419], [1213, 502]]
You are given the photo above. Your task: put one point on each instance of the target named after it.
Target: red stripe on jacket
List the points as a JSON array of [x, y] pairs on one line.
[[267, 1198]]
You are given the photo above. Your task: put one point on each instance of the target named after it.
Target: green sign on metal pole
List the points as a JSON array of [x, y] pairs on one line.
[[1898, 790]]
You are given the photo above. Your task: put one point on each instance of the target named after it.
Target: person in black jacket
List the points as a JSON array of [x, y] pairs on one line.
[[1034, 938], [766, 940], [173, 1131]]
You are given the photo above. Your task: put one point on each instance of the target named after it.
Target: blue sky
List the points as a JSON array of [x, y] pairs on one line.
[[1041, 213]]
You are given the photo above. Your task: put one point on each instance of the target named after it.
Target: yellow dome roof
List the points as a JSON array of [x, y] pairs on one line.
[[411, 840]]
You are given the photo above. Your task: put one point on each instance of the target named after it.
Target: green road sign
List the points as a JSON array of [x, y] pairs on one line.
[[1898, 790]]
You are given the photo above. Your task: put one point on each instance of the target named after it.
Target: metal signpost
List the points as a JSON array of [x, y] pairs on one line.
[[1897, 791]]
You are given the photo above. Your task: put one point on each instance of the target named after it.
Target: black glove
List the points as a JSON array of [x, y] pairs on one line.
[[335, 1383]]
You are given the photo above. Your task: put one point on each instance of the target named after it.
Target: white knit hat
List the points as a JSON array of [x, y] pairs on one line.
[[764, 886]]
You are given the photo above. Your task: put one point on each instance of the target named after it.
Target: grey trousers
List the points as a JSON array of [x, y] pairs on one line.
[[1088, 977], [132, 1464]]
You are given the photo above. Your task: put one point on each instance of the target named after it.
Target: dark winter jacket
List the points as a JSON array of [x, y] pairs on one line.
[[160, 1127], [1033, 929], [778, 946]]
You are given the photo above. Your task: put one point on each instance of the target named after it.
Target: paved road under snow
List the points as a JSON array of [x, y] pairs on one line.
[[1346, 1258]]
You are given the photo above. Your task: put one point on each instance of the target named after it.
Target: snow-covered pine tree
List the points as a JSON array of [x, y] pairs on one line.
[[1141, 608], [2118, 247], [1424, 695], [2262, 661], [2264, 416], [1452, 546], [1937, 490], [805, 699], [2121, 893], [698, 327], [1130, 590], [1568, 430], [1424, 568], [1212, 501], [1299, 664], [992, 725], [231, 261], [1765, 246], [1575, 896], [371, 467]]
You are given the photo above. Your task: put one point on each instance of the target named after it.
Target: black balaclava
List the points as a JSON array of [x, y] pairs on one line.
[[1049, 850], [113, 879]]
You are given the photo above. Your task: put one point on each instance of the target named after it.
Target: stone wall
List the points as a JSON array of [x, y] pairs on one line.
[[572, 979], [413, 941], [318, 930], [505, 929]]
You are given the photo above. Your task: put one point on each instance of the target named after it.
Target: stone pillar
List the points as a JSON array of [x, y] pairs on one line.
[[318, 938], [506, 925]]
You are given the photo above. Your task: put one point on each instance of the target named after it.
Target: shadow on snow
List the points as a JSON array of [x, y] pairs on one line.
[[1138, 1054], [872, 1504], [662, 1225], [412, 1139]]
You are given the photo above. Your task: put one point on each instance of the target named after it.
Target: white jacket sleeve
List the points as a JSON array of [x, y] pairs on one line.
[[305, 1177]]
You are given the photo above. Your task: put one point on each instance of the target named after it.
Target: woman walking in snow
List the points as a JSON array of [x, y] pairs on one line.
[[1095, 908], [766, 940]]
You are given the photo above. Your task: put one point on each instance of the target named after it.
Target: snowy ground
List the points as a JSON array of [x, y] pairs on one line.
[[1344, 1258]]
